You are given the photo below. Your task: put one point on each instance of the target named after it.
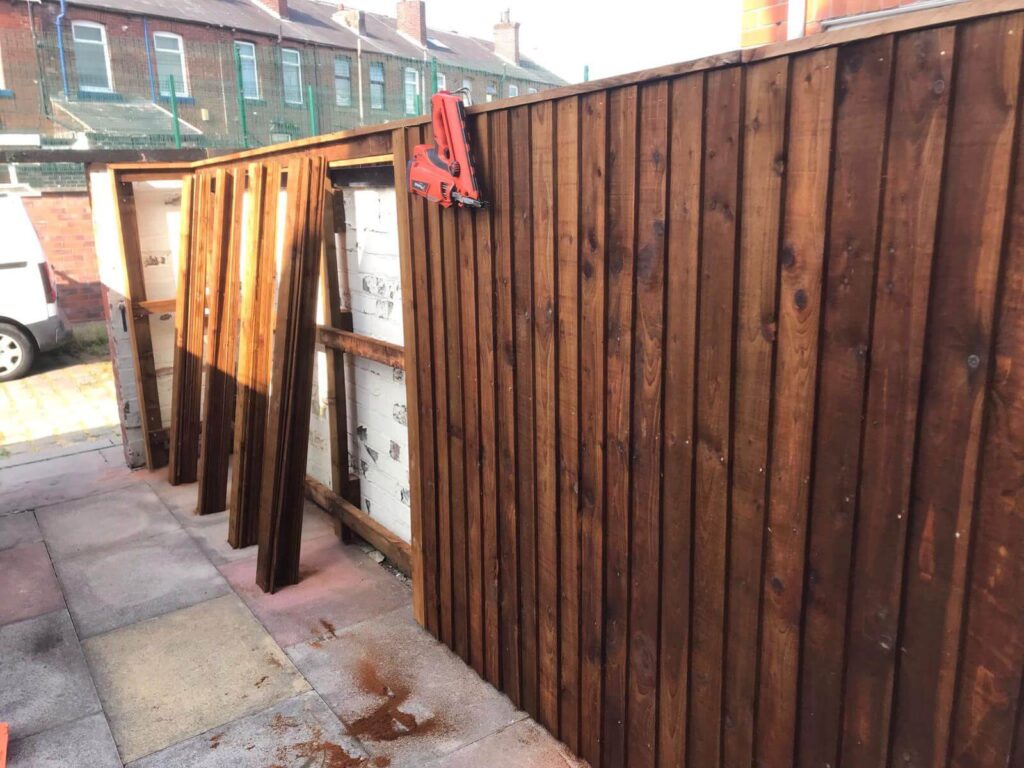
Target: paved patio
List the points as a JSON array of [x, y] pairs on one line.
[[131, 634]]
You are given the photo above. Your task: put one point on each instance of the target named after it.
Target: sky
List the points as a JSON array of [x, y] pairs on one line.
[[611, 37]]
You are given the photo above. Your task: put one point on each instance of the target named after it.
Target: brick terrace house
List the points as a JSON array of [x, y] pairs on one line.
[[99, 71], [771, 21]]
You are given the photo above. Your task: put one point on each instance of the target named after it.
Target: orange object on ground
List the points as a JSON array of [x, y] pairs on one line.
[[3, 745]]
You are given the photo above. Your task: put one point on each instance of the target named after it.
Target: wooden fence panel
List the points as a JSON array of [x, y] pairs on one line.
[[681, 356]]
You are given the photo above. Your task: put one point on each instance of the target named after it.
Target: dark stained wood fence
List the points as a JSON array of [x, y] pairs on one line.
[[720, 421]]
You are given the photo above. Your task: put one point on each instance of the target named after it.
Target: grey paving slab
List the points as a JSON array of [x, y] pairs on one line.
[[301, 731], [182, 674], [522, 744], [136, 579], [32, 486], [406, 697], [44, 680], [104, 520], [18, 528], [85, 743], [180, 499], [27, 585]]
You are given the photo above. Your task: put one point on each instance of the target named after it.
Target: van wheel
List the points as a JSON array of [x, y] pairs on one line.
[[16, 352]]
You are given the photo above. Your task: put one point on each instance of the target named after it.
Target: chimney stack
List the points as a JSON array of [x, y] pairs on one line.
[[506, 38], [412, 21], [350, 18], [277, 7]]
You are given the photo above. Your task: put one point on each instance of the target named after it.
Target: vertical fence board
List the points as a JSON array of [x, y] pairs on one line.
[[812, 84], [682, 283], [913, 165], [953, 391], [862, 98], [763, 173], [621, 255], [593, 200], [723, 114]]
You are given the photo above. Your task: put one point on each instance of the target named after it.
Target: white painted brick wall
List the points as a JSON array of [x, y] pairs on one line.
[[378, 435]]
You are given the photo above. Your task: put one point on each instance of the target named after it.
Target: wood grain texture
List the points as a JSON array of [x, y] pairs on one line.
[[812, 87]]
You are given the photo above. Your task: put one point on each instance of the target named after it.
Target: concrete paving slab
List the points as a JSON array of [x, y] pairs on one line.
[[19, 528], [104, 520], [72, 478], [85, 743], [44, 680], [33, 468], [339, 586], [27, 584], [301, 731], [180, 499], [522, 744], [406, 697], [211, 533], [179, 675], [137, 579]]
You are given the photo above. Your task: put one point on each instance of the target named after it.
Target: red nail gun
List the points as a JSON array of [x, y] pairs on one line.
[[443, 172]]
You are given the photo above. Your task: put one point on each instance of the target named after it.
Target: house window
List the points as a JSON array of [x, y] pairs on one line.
[[442, 82], [376, 85], [92, 59], [513, 90], [170, 62], [467, 92], [3, 80], [531, 90], [250, 78], [291, 73], [492, 92], [412, 91], [343, 81]]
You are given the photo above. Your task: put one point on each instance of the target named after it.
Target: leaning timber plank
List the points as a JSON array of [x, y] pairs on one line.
[[183, 455], [163, 306], [127, 227], [330, 297], [291, 380], [257, 289], [392, 546], [221, 342], [361, 345]]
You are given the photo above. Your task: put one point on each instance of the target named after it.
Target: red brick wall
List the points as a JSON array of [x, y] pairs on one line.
[[63, 222], [764, 21]]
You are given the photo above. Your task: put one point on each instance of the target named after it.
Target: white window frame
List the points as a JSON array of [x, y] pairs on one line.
[[490, 92], [531, 90], [183, 87], [513, 90], [3, 80], [347, 77], [467, 93], [106, 54], [298, 67], [240, 45], [378, 65], [442, 81], [405, 89]]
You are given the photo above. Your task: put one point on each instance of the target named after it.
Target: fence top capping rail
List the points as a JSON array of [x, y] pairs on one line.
[[922, 19]]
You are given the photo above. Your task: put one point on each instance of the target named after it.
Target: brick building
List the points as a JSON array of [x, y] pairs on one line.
[[245, 72], [771, 21]]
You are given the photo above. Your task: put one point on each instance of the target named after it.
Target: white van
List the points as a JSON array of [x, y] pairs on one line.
[[30, 320]]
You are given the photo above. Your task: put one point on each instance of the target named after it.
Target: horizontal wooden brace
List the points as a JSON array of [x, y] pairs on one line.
[[354, 162], [157, 306], [363, 346], [393, 547]]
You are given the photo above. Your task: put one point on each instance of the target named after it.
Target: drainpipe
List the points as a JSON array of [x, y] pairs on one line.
[[359, 73], [60, 47], [796, 19], [149, 60]]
